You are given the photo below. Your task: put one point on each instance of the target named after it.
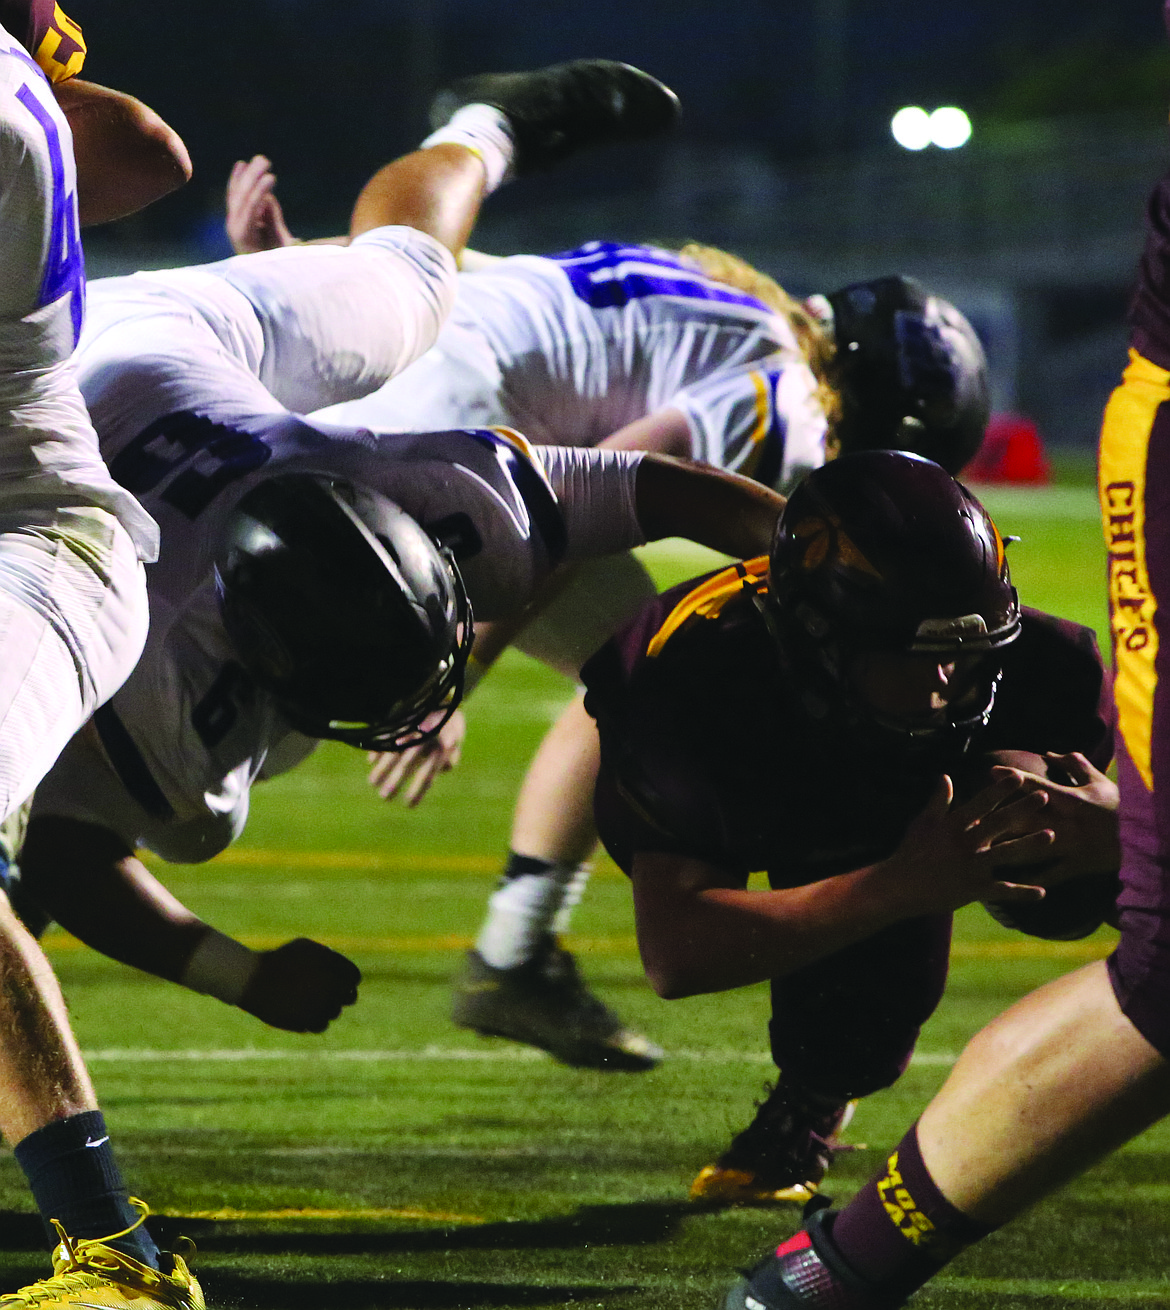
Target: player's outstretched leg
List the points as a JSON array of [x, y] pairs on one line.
[[782, 1155], [487, 129], [497, 125], [49, 1114], [519, 982], [556, 111]]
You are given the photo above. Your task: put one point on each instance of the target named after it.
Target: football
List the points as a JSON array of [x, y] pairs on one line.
[[1072, 909]]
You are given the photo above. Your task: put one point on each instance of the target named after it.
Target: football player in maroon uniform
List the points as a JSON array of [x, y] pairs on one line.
[[1079, 1066], [799, 716]]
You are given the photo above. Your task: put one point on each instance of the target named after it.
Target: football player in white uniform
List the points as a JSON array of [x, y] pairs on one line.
[[73, 606], [72, 593], [608, 346], [173, 366], [692, 353], [296, 596]]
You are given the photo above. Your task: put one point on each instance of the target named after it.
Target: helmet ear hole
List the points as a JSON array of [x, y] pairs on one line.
[[344, 611]]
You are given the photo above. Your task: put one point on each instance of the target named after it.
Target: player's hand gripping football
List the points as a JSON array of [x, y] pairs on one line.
[[1082, 813], [255, 220], [956, 853], [409, 773], [301, 986]]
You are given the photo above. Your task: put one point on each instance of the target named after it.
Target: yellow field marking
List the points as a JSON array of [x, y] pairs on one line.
[[625, 944], [254, 857], [55, 942], [310, 1212], [389, 861], [1032, 948], [621, 944]]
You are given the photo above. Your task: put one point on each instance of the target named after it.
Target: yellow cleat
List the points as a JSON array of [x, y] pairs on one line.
[[782, 1155], [89, 1274], [738, 1187]]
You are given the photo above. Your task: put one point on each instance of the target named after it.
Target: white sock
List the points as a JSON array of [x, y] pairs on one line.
[[526, 909], [484, 130], [574, 890]]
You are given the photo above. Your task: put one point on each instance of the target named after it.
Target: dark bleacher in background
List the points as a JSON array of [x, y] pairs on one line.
[[785, 156]]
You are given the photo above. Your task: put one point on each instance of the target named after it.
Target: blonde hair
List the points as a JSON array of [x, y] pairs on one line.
[[815, 342]]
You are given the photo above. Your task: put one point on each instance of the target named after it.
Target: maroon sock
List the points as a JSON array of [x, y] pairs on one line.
[[900, 1230]]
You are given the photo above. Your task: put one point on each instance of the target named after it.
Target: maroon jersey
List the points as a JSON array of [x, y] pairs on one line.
[[1149, 313], [710, 750]]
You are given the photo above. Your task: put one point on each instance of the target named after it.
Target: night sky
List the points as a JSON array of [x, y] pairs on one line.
[[332, 88]]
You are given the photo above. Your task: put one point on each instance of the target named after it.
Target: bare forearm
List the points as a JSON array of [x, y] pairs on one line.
[[719, 938], [666, 432], [700, 931], [105, 896], [726, 512]]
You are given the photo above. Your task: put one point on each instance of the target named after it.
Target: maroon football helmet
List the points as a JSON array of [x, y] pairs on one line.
[[885, 551]]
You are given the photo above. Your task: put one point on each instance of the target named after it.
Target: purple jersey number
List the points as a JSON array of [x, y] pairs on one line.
[[64, 264], [608, 275], [217, 456]]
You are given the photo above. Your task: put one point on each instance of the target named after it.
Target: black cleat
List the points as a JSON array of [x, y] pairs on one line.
[[782, 1155], [545, 1003], [805, 1273], [556, 111]]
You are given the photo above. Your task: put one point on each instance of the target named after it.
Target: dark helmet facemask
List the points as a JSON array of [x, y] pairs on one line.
[[402, 726], [884, 551], [345, 611], [970, 698]]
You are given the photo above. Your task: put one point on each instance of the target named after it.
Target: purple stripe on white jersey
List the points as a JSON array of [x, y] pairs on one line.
[[608, 275], [17, 53], [64, 272]]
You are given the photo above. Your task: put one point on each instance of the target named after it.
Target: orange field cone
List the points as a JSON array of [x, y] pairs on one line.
[[1012, 451]]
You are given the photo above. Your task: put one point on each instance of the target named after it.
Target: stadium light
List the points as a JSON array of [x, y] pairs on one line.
[[949, 128], [914, 129], [911, 128]]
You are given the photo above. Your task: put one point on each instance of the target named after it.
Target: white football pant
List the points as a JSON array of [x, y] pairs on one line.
[[73, 619]]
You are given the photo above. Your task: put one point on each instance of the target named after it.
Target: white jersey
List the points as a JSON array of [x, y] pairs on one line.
[[48, 449], [570, 348], [169, 370]]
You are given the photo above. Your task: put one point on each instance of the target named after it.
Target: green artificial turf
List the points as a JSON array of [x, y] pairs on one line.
[[437, 1169]]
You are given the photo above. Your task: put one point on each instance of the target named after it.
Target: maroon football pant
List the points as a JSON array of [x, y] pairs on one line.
[[847, 1025]]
